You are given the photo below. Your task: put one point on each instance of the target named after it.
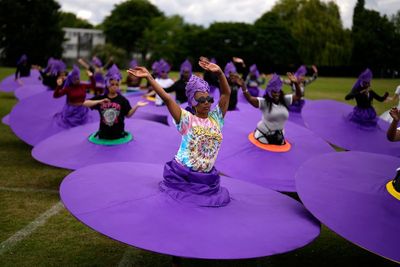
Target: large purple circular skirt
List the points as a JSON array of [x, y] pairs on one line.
[[123, 201], [347, 192]]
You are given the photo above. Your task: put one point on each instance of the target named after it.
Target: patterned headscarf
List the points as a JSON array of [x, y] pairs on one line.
[[186, 66], [365, 76], [301, 71], [75, 73], [195, 84], [274, 85], [229, 67], [254, 71]]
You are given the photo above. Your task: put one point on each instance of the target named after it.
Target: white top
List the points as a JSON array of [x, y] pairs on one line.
[[164, 83], [276, 118]]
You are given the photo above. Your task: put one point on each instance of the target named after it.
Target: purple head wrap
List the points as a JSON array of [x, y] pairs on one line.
[[133, 64], [254, 71], [274, 85], [75, 73], [195, 84], [365, 76], [113, 73], [50, 62], [213, 60], [229, 67], [97, 62], [163, 66], [301, 71], [22, 59], [56, 67], [186, 66]]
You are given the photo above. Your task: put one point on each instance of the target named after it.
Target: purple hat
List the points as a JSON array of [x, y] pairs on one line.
[[275, 84], [365, 76], [163, 66], [229, 67], [75, 73], [154, 66], [97, 62], [133, 64], [195, 84], [113, 73], [50, 62], [254, 70], [301, 71], [56, 66], [186, 66], [22, 59]]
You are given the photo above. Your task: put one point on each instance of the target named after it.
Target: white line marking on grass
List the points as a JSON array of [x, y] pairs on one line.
[[17, 189], [30, 228]]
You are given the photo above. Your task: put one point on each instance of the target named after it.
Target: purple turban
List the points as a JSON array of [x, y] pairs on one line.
[[113, 73], [163, 66], [186, 66], [22, 59], [97, 62], [254, 71], [56, 67], [133, 64], [50, 62], [301, 71], [195, 84], [75, 73], [229, 67], [365, 76], [274, 85]]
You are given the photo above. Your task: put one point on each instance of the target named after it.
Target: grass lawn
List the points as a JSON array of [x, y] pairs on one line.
[[29, 188]]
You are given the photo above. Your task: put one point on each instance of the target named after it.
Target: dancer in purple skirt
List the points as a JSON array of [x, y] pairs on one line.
[[364, 113], [191, 176]]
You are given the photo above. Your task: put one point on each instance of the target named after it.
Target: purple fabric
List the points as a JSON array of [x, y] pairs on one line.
[[186, 66], [25, 91], [154, 67], [133, 64], [163, 66], [22, 59], [301, 71], [275, 84], [344, 133], [229, 67], [56, 67], [238, 157], [254, 91], [364, 116], [97, 62], [73, 75], [254, 71], [347, 192], [113, 73], [71, 149], [195, 84], [201, 189], [72, 116], [213, 60], [123, 201], [151, 111], [32, 119], [365, 76], [297, 106], [9, 84], [6, 120]]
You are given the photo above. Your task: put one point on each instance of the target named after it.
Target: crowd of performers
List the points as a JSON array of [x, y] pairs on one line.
[[197, 123]]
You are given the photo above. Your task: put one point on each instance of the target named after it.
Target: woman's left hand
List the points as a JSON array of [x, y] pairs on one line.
[[207, 65]]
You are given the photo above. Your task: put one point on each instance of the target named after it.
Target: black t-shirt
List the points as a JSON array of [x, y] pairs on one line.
[[180, 88], [112, 116]]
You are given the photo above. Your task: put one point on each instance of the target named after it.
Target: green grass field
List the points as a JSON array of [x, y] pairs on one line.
[[28, 189]]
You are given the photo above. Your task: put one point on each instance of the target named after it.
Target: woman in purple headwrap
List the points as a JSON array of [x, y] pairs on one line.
[[23, 68], [55, 69], [191, 175], [274, 108], [231, 74], [254, 80], [363, 113], [97, 68], [73, 113], [162, 79], [112, 107], [179, 86], [300, 74]]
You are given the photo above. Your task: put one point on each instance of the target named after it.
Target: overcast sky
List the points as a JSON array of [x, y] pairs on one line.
[[208, 11]]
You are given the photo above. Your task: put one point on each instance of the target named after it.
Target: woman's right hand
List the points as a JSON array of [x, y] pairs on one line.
[[140, 72]]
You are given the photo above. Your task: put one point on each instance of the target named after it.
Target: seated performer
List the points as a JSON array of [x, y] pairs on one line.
[[23, 69], [300, 74], [73, 113], [386, 115], [55, 69], [274, 107], [112, 107], [364, 113], [231, 74], [191, 176], [393, 135], [132, 82], [254, 80], [179, 86]]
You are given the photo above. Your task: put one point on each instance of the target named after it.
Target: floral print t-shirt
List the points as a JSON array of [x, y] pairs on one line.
[[201, 140]]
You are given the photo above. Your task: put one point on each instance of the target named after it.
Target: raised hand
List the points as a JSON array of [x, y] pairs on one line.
[[142, 103], [238, 80], [395, 114], [238, 60], [291, 77], [314, 68], [207, 65], [89, 73], [140, 72]]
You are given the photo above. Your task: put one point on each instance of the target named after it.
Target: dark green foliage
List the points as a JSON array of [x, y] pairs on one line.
[[68, 19]]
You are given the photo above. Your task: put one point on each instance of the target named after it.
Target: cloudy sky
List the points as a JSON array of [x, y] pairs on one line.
[[208, 11]]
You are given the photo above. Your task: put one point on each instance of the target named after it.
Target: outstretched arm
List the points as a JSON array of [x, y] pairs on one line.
[[136, 107], [393, 134], [91, 103], [173, 107], [224, 89], [293, 79]]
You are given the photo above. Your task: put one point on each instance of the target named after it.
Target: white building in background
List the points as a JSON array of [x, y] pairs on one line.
[[80, 42]]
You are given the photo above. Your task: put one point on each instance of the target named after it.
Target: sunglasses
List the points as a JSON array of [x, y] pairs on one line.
[[204, 99]]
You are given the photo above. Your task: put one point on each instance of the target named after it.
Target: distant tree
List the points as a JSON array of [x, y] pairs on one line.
[[68, 19], [127, 23], [395, 19], [105, 52], [30, 27]]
